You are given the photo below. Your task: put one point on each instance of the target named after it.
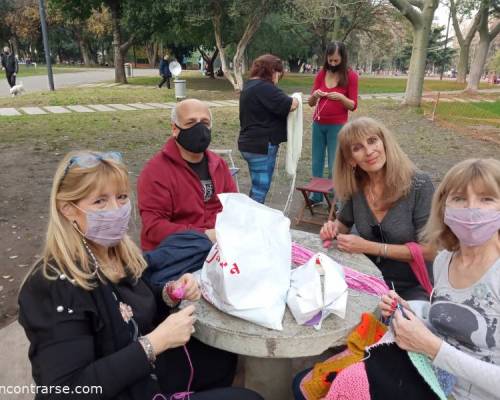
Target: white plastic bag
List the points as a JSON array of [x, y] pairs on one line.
[[309, 300], [247, 273]]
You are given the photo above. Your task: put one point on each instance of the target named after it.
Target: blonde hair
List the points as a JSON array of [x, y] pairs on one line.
[[399, 170], [481, 173], [64, 252]]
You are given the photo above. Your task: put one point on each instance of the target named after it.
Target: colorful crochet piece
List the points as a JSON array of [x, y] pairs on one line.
[[315, 385], [351, 383], [424, 367]]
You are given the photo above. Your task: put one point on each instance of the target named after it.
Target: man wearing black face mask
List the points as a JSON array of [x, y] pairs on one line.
[[177, 189]]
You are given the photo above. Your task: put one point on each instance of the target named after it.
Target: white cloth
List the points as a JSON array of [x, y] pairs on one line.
[[308, 296], [295, 129]]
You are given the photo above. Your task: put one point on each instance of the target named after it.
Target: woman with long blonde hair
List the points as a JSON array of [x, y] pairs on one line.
[[91, 320], [386, 198], [465, 303]]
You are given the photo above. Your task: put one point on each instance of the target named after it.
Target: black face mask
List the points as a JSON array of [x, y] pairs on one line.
[[333, 68], [195, 139]]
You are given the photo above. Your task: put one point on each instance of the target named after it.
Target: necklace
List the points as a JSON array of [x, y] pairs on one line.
[[372, 199], [91, 254]]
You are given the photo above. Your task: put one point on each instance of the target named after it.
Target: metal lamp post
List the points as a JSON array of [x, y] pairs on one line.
[[45, 35]]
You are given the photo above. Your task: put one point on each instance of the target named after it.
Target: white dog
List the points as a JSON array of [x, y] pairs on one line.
[[17, 89]]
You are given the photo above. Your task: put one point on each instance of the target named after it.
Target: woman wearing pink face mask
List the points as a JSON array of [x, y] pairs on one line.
[[90, 318], [463, 333]]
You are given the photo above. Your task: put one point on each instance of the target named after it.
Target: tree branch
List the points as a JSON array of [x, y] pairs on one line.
[[412, 15], [473, 28], [126, 45], [417, 3], [456, 24], [495, 31]]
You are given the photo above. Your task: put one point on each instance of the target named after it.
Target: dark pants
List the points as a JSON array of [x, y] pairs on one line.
[[213, 368], [230, 393], [164, 79], [11, 78]]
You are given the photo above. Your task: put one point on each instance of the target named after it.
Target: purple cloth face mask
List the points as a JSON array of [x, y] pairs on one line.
[[472, 226], [107, 228]]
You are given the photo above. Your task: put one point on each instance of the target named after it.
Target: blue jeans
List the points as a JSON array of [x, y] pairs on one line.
[[324, 138], [261, 167]]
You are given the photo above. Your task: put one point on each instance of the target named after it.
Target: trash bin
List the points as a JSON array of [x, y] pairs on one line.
[[180, 88], [128, 69]]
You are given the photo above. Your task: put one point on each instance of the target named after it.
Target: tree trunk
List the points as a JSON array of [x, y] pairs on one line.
[[15, 45], [421, 22], [235, 76], [485, 39], [477, 66], [294, 63], [416, 72], [216, 22], [209, 61], [463, 63], [119, 58], [463, 42], [152, 53], [84, 50]]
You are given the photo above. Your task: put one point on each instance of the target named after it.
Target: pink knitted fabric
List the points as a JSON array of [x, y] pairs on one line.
[[418, 266], [350, 384]]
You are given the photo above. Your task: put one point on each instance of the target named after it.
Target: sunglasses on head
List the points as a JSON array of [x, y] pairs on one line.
[[89, 160]]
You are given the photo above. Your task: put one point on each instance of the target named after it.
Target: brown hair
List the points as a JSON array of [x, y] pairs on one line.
[[64, 252], [399, 170], [481, 173], [265, 66], [331, 49]]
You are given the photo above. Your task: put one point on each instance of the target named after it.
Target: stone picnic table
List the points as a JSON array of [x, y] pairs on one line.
[[268, 354]]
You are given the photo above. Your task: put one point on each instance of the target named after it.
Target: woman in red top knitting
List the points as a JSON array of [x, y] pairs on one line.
[[334, 93]]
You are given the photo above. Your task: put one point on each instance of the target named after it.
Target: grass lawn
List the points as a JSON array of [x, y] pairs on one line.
[[42, 70], [303, 82], [98, 95], [468, 114]]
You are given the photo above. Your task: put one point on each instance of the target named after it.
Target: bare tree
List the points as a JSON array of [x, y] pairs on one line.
[[420, 13], [486, 36], [235, 74]]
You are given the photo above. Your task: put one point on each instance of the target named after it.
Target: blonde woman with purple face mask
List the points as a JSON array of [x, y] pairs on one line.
[[90, 318], [462, 335]]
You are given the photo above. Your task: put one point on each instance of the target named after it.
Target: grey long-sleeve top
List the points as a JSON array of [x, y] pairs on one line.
[[400, 225], [468, 322]]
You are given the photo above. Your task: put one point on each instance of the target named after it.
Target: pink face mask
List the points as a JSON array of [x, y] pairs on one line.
[[472, 226], [107, 228]]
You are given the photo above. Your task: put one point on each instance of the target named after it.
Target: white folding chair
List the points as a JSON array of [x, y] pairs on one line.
[[228, 153]]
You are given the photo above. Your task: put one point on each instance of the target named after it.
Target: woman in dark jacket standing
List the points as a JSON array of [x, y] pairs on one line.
[[96, 329], [263, 113]]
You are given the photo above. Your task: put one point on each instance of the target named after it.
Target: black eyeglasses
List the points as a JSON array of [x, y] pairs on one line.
[[378, 233]]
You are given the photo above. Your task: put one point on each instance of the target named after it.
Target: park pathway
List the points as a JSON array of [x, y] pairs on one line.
[[92, 108], [39, 83]]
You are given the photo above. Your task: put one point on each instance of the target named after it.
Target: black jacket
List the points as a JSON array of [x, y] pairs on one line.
[[79, 337], [263, 113], [9, 62], [164, 70]]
